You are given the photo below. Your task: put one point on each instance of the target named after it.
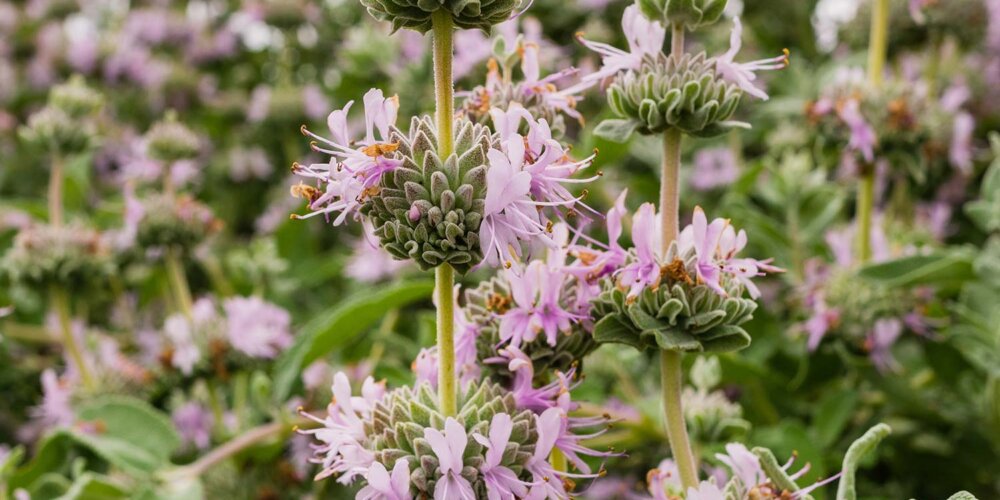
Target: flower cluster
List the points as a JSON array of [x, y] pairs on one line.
[[491, 447], [70, 256], [487, 201], [688, 300]]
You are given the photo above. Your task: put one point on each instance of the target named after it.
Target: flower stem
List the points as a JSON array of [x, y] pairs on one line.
[[232, 447], [60, 302], [56, 191], [444, 282], [680, 445], [178, 282], [866, 201], [878, 42], [444, 90], [669, 189], [670, 361], [877, 46]]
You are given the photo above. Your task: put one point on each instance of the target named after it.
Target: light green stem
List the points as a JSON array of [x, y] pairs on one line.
[[558, 460], [866, 201], [878, 40], [444, 90], [670, 361], [877, 47], [56, 175], [178, 282], [669, 187], [444, 281], [680, 445], [60, 302]]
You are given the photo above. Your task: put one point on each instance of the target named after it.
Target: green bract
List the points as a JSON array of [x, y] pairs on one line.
[[53, 129], [171, 141], [430, 210], [666, 92], [466, 14], [76, 98], [396, 431], [180, 223], [676, 315], [493, 297], [75, 258], [692, 14]]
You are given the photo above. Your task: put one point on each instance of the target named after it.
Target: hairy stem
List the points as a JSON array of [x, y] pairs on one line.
[[680, 444], [60, 302], [669, 189], [444, 282], [56, 191], [178, 282], [444, 90]]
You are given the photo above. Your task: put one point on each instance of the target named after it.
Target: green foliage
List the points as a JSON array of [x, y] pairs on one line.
[[332, 329]]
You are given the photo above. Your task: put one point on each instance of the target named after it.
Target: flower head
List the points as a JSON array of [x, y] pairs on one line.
[[257, 328]]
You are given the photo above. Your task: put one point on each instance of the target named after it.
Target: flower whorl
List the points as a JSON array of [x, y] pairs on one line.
[[466, 14]]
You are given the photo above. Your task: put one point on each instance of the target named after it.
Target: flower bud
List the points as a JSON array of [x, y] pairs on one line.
[[76, 98], [169, 222], [53, 129]]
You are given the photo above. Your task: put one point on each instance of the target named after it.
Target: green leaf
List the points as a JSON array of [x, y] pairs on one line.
[[340, 324], [89, 486], [933, 269], [832, 415], [962, 495], [610, 330], [616, 130], [132, 422], [858, 449]]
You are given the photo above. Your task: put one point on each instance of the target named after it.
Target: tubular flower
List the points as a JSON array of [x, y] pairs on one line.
[[744, 74], [535, 307], [645, 38], [354, 169]]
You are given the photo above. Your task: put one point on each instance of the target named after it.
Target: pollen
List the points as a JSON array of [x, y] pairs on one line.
[[301, 190], [380, 149]]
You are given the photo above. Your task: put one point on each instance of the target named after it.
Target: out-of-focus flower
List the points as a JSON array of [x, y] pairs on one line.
[[714, 168], [880, 341], [960, 151], [862, 136], [185, 353], [55, 409], [369, 263], [257, 328], [194, 424], [744, 74]]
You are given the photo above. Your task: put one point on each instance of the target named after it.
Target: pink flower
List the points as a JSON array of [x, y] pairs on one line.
[[257, 328], [862, 137], [381, 486], [716, 244], [714, 168], [185, 355], [534, 85], [342, 432], [547, 482], [501, 482], [743, 74], [449, 446], [352, 170], [960, 152], [525, 394], [194, 424], [536, 292], [644, 271], [55, 409], [645, 37], [880, 341], [664, 481]]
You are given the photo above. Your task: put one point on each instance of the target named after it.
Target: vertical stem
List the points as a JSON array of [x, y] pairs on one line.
[[680, 445], [55, 191], [444, 282], [670, 361], [669, 189], [60, 302], [444, 91], [877, 46], [178, 282], [866, 201], [878, 42]]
